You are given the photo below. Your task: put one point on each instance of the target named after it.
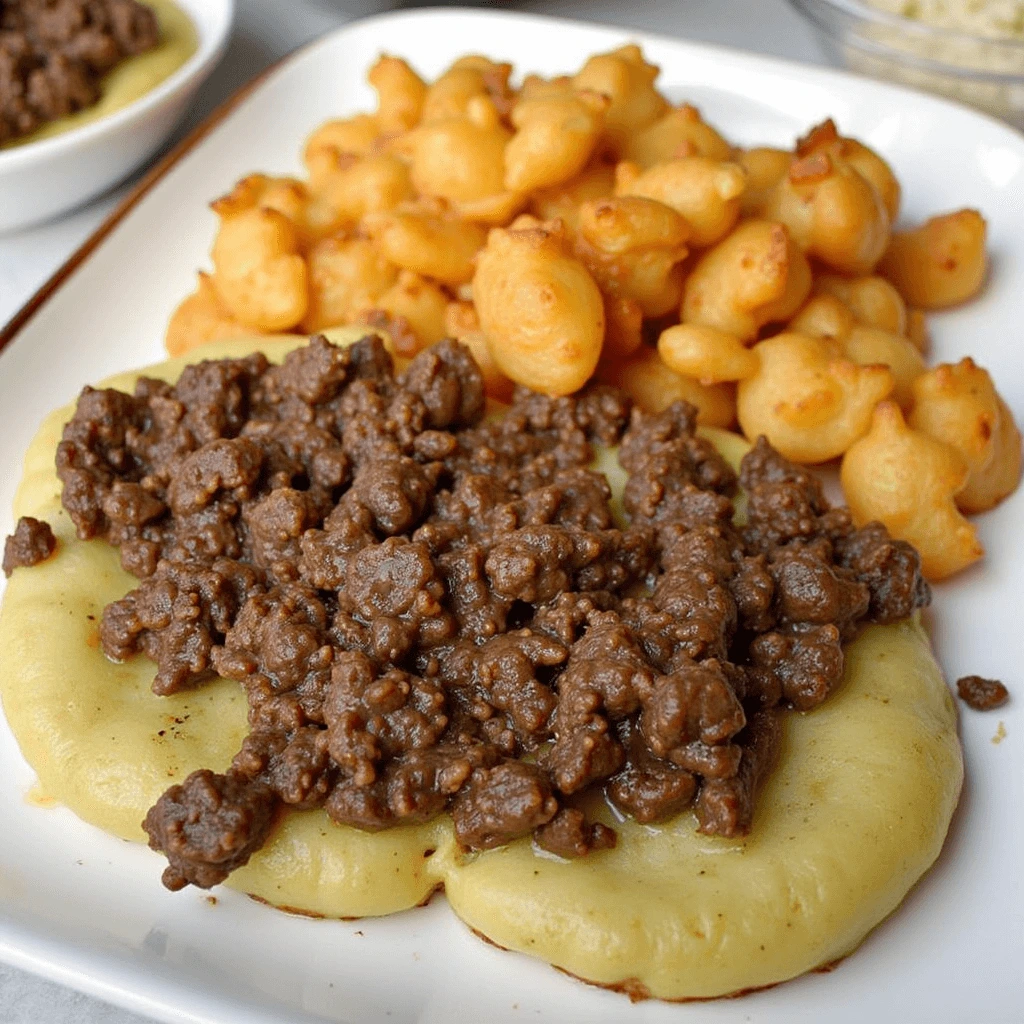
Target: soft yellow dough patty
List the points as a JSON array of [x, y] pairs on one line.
[[855, 813]]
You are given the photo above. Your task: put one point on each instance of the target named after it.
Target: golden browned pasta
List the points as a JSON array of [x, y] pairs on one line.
[[908, 481], [833, 212], [872, 300], [754, 276], [623, 327], [706, 354], [423, 238], [421, 303], [765, 168], [679, 131], [654, 387], [199, 319], [807, 399], [469, 77], [356, 136], [827, 316], [355, 186], [462, 323], [633, 248], [628, 81], [536, 87], [312, 217], [346, 275], [868, 346], [257, 271], [917, 330], [957, 403], [1000, 479], [539, 308], [704, 192], [555, 138], [872, 167], [824, 316], [941, 263], [462, 160], [825, 138], [563, 202], [400, 93], [619, 187], [287, 196]]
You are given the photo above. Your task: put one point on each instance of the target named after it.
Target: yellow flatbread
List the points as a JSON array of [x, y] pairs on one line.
[[855, 813]]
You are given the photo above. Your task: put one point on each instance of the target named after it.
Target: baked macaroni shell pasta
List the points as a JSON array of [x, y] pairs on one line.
[[853, 815]]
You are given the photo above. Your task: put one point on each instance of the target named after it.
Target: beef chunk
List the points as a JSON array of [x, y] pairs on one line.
[[208, 826], [891, 570], [372, 715], [807, 661], [31, 543], [501, 677], [392, 493], [785, 501], [982, 694], [177, 617], [696, 703], [450, 384], [570, 835], [501, 804], [585, 750], [297, 767], [649, 788], [810, 590], [725, 807]]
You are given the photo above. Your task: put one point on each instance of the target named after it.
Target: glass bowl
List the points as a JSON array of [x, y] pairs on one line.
[[986, 72]]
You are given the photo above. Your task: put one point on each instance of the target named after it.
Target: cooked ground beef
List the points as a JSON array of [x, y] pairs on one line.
[[208, 826], [53, 54], [31, 543], [982, 694], [431, 609]]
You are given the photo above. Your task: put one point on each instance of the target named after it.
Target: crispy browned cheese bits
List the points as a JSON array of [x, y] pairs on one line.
[[585, 227]]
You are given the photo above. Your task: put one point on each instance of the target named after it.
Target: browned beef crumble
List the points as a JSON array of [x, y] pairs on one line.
[[982, 694], [53, 54], [31, 543], [431, 610]]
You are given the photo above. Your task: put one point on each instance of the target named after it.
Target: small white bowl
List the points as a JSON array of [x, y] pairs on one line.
[[42, 179]]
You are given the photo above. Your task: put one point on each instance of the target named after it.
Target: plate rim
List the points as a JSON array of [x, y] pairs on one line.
[[59, 961]]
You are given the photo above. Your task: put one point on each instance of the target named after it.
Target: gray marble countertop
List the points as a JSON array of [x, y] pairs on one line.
[[264, 31]]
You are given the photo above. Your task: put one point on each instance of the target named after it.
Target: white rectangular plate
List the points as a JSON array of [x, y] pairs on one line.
[[88, 910]]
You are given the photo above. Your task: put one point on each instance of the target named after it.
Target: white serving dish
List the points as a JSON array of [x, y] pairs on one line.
[[88, 910], [51, 176]]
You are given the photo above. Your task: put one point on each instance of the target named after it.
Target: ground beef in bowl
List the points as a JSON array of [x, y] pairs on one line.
[[54, 54]]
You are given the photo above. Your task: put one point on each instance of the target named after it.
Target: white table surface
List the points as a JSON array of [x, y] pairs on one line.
[[264, 31]]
